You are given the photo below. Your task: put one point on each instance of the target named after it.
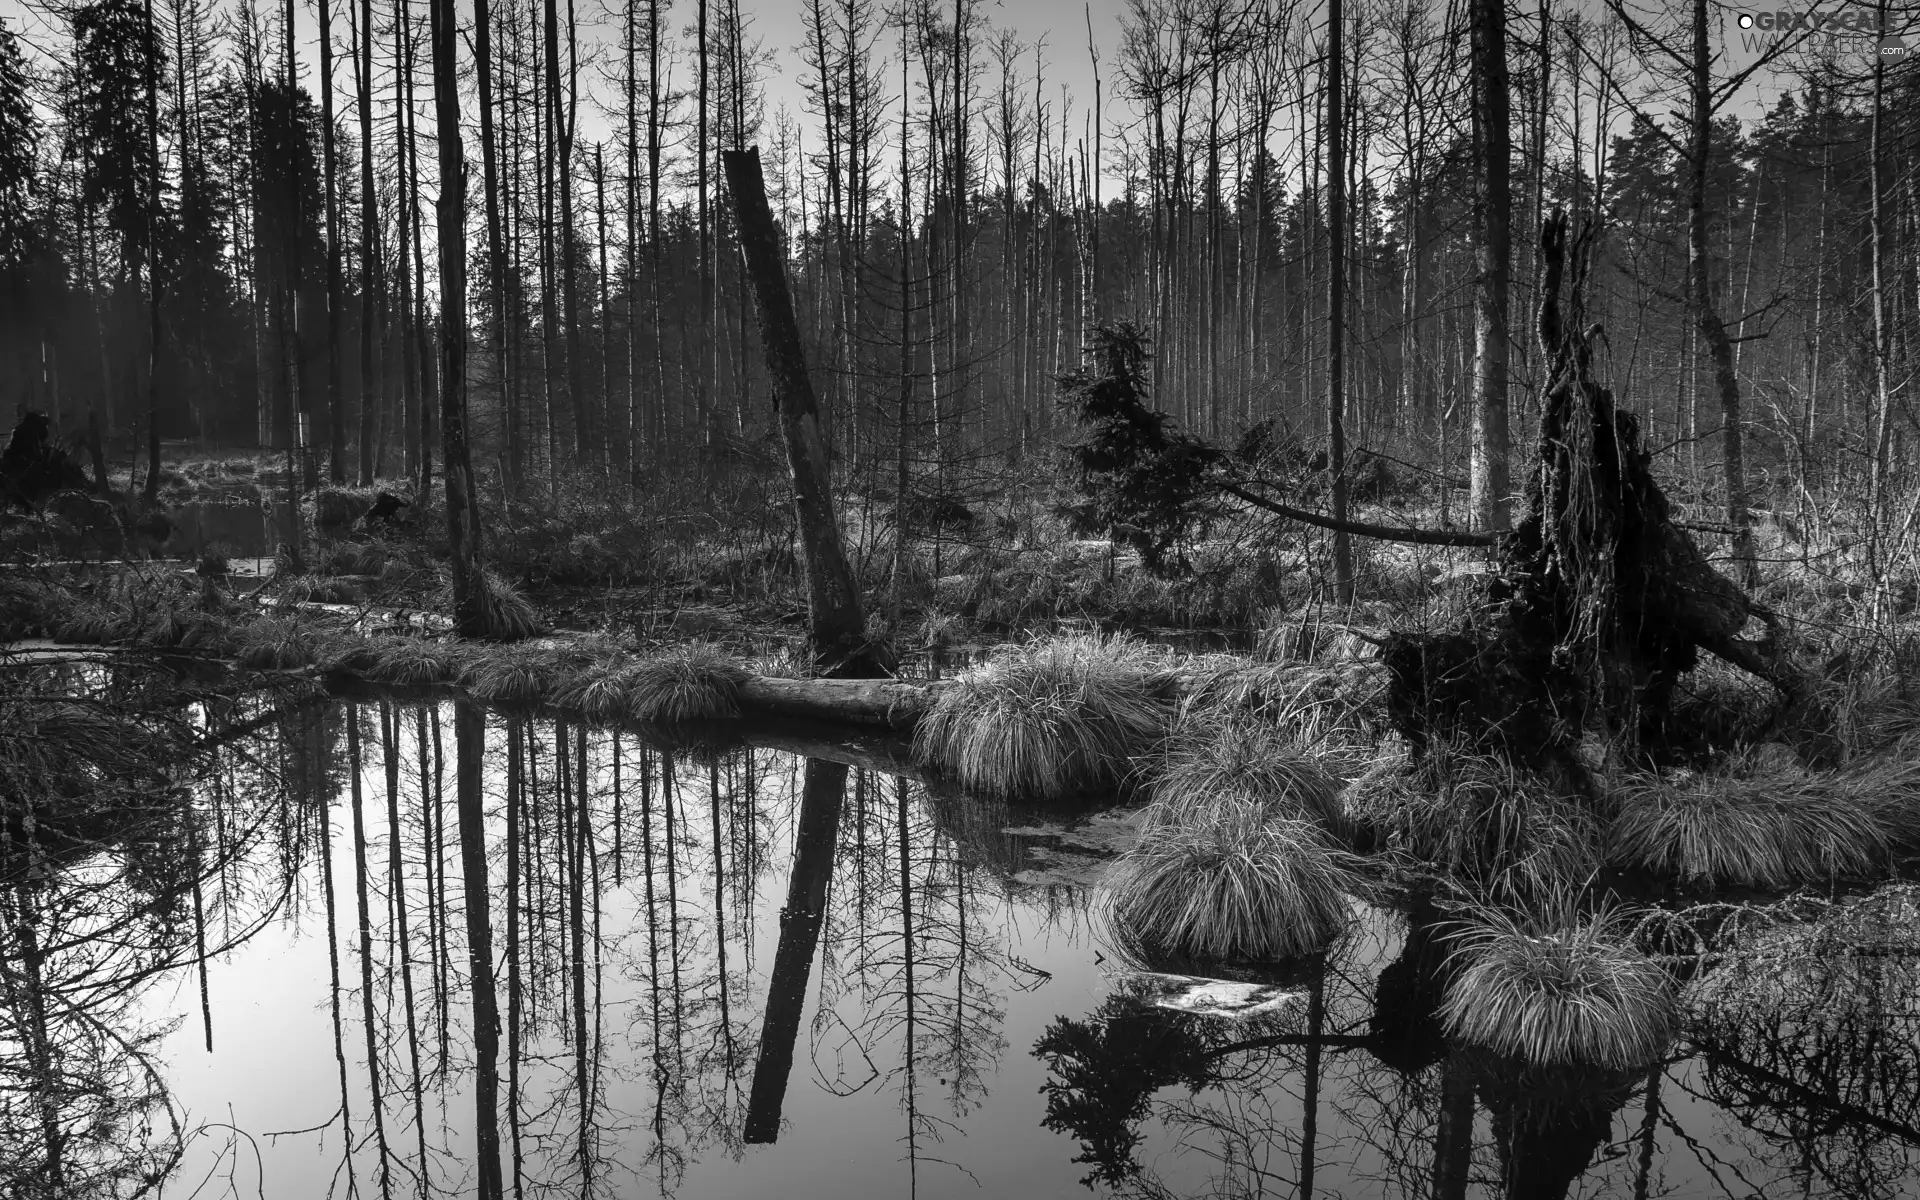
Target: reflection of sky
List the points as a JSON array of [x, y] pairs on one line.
[[847, 1120]]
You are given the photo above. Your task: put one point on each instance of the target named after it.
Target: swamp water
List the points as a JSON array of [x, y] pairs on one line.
[[746, 972]]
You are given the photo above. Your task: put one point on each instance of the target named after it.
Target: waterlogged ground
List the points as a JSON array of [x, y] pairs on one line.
[[961, 1028]]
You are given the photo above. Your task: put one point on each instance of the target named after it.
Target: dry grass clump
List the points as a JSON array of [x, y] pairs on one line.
[[1502, 829], [1578, 994], [274, 643], [510, 675], [1752, 823], [693, 681], [1049, 720], [1243, 759], [1231, 882]]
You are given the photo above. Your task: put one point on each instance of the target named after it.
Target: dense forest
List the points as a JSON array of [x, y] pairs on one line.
[[1220, 597], [213, 229]]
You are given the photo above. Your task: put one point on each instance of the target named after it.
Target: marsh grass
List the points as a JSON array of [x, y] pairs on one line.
[[1751, 822], [275, 643], [694, 681], [1503, 830], [1049, 720], [405, 661], [1235, 757], [510, 616], [1574, 994], [1231, 883], [517, 674], [598, 689]]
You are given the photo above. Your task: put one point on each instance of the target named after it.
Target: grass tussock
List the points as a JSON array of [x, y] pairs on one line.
[[1245, 759], [695, 681], [598, 690], [1578, 994], [406, 661], [511, 675], [1231, 883], [506, 615], [1753, 822], [1049, 720], [1501, 829], [275, 643]]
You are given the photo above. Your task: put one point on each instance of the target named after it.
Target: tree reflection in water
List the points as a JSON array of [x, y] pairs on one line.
[[696, 949]]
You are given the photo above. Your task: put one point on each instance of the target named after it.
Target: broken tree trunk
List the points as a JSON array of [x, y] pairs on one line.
[[1602, 602], [837, 625]]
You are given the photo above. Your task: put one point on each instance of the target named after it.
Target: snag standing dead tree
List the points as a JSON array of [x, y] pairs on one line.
[[837, 626]]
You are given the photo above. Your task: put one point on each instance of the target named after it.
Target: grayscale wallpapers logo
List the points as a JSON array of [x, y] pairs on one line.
[[1762, 31]]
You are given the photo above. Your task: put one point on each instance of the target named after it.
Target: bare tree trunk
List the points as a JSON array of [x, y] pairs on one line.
[[1877, 226], [336, 420], [1336, 184], [833, 598], [496, 250], [472, 615], [369, 228], [1713, 332], [1494, 213], [152, 490]]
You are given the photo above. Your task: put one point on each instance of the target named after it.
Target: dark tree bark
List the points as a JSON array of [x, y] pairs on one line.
[[1706, 316], [1336, 184], [1493, 219], [496, 252], [369, 229], [471, 615], [152, 58], [837, 625], [336, 419]]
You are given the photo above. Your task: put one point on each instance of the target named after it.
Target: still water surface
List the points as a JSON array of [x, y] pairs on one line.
[[958, 1026]]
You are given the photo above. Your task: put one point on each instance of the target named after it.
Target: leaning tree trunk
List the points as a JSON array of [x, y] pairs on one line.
[[1602, 603], [838, 627]]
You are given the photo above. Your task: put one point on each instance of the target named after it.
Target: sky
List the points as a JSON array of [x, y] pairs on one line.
[[1062, 26]]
